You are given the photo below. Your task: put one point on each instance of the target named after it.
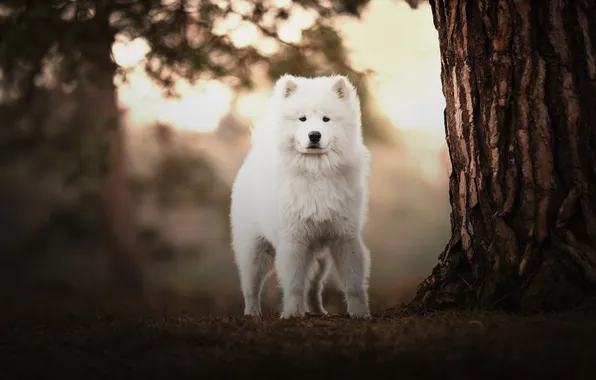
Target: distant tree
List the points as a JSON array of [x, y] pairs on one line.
[[519, 79]]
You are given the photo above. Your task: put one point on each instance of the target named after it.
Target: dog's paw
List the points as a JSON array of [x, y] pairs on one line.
[[363, 313], [253, 313], [316, 311], [289, 314]]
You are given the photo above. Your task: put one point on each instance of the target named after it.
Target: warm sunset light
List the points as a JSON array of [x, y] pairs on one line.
[[252, 105], [407, 84]]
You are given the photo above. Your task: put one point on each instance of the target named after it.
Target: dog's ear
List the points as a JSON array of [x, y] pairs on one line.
[[286, 85], [289, 88], [341, 87]]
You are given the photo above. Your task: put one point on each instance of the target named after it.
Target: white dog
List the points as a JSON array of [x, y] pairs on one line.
[[302, 188]]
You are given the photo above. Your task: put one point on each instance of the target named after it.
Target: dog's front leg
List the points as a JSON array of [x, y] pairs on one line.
[[292, 264], [352, 260]]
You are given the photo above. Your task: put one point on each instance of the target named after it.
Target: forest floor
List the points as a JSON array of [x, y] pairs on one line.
[[87, 343]]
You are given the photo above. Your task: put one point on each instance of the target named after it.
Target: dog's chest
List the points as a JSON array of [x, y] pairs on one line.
[[317, 201]]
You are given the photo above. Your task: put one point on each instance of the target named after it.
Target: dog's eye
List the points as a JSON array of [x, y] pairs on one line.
[[326, 119], [303, 118]]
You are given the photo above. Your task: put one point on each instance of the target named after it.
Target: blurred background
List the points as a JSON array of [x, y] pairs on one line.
[[123, 123]]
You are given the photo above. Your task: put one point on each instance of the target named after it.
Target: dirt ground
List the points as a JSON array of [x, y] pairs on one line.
[[46, 342]]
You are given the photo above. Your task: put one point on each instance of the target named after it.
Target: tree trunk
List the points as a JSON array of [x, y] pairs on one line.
[[519, 78], [116, 197], [119, 204]]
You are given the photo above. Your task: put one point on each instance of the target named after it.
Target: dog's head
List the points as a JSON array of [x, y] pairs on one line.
[[317, 116]]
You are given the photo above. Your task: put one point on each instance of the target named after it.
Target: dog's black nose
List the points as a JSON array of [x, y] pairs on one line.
[[314, 136]]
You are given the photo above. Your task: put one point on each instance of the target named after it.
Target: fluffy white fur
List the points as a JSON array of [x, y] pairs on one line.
[[300, 208]]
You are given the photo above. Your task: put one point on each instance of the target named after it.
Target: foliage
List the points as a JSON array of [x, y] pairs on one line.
[[183, 36]]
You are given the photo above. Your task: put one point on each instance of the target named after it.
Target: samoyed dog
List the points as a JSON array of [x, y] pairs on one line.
[[299, 200]]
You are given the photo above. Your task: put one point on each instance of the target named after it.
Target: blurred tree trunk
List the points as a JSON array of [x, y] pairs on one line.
[[116, 197], [519, 78]]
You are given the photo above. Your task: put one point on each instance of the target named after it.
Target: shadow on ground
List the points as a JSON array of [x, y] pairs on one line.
[[132, 342]]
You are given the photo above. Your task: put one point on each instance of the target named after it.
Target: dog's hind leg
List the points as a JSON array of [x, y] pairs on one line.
[[352, 260], [254, 261], [316, 284]]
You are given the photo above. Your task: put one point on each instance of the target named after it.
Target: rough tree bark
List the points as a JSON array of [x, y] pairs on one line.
[[519, 78]]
